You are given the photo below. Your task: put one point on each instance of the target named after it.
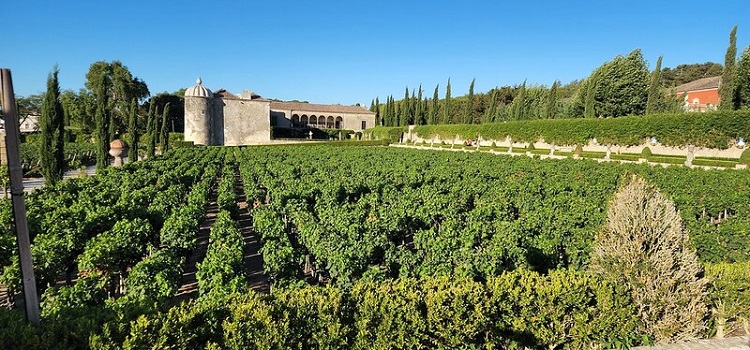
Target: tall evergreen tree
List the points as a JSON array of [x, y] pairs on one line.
[[392, 118], [405, 108], [53, 132], [434, 107], [550, 109], [164, 137], [589, 106], [654, 89], [445, 110], [413, 103], [378, 116], [742, 81], [425, 105], [102, 123], [490, 114], [133, 130], [519, 103], [419, 108], [726, 89], [469, 107], [155, 131], [150, 148]]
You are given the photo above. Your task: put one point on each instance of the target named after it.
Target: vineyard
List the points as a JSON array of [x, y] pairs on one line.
[[365, 247]]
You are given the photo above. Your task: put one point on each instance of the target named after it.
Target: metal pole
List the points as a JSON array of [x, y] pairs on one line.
[[16, 191]]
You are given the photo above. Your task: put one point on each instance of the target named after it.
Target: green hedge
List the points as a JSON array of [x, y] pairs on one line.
[[391, 133], [713, 130], [520, 309], [715, 162]]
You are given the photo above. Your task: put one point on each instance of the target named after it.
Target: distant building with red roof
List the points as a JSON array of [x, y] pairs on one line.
[[700, 95]]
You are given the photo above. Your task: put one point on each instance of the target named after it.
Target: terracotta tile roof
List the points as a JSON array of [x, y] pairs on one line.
[[316, 108], [700, 84], [225, 94]]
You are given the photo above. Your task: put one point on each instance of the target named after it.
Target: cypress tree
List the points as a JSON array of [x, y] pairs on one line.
[[133, 130], [551, 109], [726, 89], [405, 108], [469, 107], [742, 81], [102, 123], [588, 111], [377, 112], [53, 132], [490, 113], [164, 138], [389, 109], [391, 121], [434, 107], [446, 109], [654, 90], [413, 103], [150, 130], [519, 103], [154, 139], [419, 109]]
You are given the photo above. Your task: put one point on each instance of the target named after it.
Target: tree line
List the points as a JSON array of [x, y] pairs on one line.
[[113, 103], [620, 87]]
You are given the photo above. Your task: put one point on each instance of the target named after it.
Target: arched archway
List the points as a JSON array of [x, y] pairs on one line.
[[330, 123], [339, 122], [295, 121], [303, 120], [313, 121]]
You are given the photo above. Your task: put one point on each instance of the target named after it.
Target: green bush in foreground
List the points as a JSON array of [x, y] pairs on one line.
[[519, 309]]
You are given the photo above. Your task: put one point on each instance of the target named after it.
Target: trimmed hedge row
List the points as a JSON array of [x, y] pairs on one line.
[[520, 309], [390, 133], [712, 130]]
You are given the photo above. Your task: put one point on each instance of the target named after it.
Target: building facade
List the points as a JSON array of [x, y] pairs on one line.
[[222, 118], [700, 95]]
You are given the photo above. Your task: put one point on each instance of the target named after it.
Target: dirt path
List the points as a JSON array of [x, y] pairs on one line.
[[189, 286], [257, 280]]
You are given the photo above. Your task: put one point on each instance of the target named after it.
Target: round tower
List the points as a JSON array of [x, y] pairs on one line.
[[198, 102]]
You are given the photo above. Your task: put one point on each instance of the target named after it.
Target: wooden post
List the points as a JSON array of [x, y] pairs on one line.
[[16, 191]]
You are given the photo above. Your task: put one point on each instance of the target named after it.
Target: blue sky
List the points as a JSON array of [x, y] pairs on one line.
[[352, 51]]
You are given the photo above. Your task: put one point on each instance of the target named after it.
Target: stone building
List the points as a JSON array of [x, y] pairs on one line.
[[222, 118]]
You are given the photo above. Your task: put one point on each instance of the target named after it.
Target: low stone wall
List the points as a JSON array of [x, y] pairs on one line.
[[592, 146]]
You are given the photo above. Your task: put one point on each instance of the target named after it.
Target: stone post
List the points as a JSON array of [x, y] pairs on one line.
[[479, 141], [552, 149], [510, 145], [309, 135], [690, 155], [609, 152]]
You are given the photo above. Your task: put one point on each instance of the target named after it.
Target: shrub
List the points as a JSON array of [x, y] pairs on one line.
[[646, 153], [644, 247], [730, 296], [578, 150], [745, 157], [156, 277]]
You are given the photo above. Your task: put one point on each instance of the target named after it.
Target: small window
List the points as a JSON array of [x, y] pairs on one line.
[[364, 124]]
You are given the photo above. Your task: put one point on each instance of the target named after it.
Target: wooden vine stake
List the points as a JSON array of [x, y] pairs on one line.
[[15, 171]]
